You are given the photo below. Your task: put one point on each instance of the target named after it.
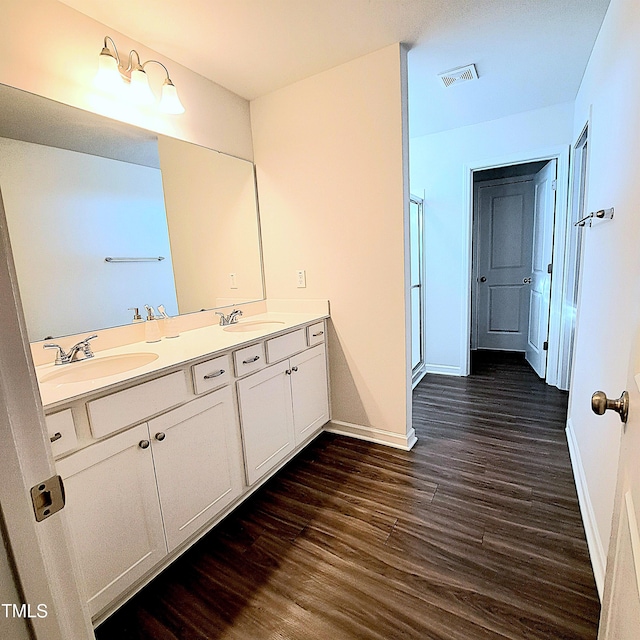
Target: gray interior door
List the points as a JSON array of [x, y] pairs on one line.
[[504, 240]]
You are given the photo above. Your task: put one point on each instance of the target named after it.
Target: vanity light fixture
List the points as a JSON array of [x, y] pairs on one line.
[[113, 75]]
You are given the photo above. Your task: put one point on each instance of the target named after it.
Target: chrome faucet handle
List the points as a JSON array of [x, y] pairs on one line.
[[61, 356], [85, 346], [234, 315], [224, 320]]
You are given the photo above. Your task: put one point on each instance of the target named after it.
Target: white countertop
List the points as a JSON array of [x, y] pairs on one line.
[[171, 352]]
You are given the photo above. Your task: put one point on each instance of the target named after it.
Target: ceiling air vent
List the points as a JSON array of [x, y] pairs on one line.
[[459, 75]]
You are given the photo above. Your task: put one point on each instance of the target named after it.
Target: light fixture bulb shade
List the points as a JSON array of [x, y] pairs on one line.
[[108, 77], [139, 89], [170, 102]]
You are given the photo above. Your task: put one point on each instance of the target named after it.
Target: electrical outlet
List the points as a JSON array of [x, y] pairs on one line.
[[301, 278], [233, 284]]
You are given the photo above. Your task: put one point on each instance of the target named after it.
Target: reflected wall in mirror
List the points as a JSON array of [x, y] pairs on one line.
[[215, 242], [78, 187]]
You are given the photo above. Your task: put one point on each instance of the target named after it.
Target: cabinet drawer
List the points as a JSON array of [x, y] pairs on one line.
[[248, 359], [211, 374], [62, 432], [125, 408], [284, 346], [315, 334]]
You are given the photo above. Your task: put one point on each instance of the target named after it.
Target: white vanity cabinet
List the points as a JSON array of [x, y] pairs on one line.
[[309, 395], [281, 407], [266, 416], [160, 460], [198, 461], [181, 469], [113, 512]]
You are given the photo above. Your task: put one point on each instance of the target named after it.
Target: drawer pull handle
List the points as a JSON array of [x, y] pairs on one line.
[[294, 368], [160, 436], [55, 436], [254, 359], [144, 444], [214, 375], [315, 335]]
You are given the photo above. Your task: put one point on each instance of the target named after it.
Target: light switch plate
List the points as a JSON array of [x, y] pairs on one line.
[[301, 278], [233, 283]]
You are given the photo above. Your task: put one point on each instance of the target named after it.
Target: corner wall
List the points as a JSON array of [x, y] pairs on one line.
[[329, 154], [437, 169], [52, 50], [609, 290]]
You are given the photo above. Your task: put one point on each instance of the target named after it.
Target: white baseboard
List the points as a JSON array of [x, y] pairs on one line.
[[379, 436], [443, 369], [596, 548]]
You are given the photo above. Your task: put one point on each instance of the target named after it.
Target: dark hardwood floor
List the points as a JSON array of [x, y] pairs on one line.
[[473, 535]]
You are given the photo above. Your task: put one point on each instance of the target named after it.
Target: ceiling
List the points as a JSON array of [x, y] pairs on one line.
[[529, 53]]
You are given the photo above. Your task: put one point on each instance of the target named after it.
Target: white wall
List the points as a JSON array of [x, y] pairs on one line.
[[611, 261], [49, 49], [329, 155], [437, 172], [66, 212]]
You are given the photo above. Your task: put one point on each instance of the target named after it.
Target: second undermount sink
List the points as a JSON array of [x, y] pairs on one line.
[[254, 325], [98, 367]]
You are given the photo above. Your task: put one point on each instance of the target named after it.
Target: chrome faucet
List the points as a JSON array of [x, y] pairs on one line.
[[83, 347], [232, 318]]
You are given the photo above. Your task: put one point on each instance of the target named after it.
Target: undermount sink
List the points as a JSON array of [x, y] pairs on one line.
[[98, 367], [254, 325]]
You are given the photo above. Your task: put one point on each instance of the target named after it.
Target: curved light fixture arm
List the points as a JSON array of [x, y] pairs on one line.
[[108, 51], [130, 66], [144, 64]]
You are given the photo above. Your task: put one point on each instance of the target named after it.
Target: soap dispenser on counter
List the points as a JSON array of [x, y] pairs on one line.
[[136, 314], [151, 326]]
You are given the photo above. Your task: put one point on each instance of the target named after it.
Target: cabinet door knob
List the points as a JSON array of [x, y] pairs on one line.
[[160, 436], [288, 371], [144, 444], [294, 368], [254, 359], [214, 375]]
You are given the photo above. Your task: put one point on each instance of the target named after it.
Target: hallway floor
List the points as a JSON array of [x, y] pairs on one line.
[[475, 534]]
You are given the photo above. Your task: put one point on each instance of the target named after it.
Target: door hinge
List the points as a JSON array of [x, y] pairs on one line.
[[545, 346], [47, 497], [549, 268], [554, 185]]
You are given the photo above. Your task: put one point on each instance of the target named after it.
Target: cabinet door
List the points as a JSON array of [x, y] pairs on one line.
[[113, 513], [309, 392], [196, 449], [266, 419]]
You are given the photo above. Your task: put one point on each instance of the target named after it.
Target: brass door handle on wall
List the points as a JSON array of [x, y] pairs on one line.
[[600, 403]]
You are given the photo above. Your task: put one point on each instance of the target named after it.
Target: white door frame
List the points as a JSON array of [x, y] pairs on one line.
[[561, 154], [42, 559]]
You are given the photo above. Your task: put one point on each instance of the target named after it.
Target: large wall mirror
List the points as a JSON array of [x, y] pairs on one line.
[[104, 216]]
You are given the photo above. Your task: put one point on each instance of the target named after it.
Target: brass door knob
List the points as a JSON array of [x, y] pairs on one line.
[[600, 403]]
